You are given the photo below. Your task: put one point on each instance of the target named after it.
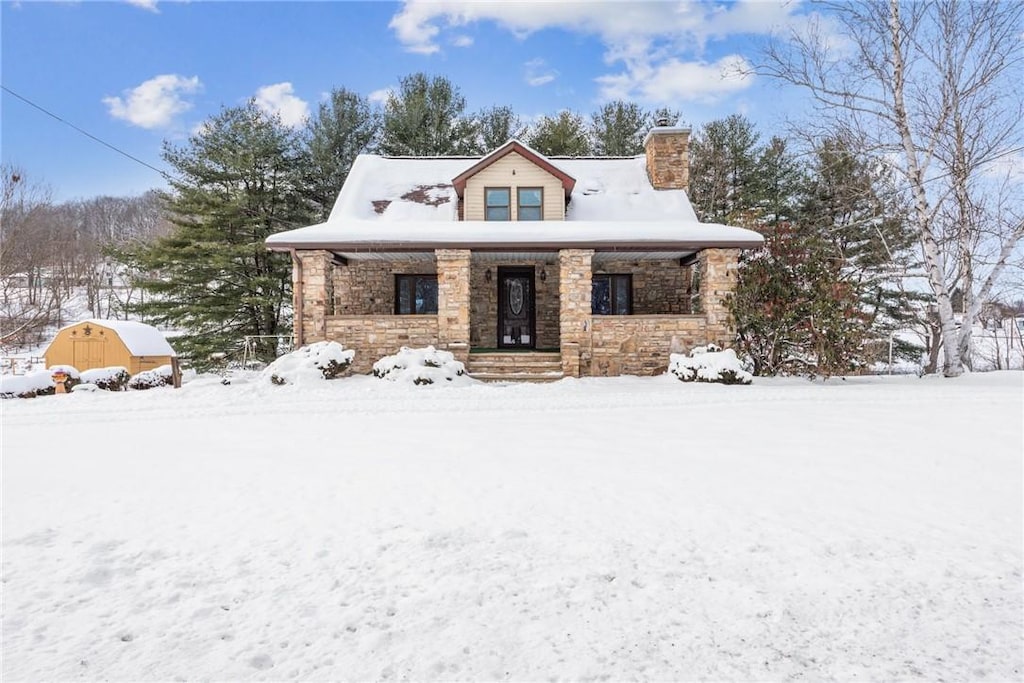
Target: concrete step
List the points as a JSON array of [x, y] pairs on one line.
[[519, 366], [517, 376]]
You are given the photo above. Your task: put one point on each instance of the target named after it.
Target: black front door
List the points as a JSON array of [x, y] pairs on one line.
[[515, 308]]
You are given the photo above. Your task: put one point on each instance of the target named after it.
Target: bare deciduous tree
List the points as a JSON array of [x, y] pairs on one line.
[[934, 85]]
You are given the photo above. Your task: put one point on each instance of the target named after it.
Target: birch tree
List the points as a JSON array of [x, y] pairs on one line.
[[934, 87]]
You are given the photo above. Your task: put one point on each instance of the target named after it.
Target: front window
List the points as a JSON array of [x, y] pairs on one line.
[[498, 204], [415, 294], [531, 199], [612, 295]]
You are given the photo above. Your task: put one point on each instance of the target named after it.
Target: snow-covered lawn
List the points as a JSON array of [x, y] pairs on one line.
[[588, 529]]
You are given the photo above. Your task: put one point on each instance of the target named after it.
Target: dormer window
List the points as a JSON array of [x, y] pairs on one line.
[[498, 204], [531, 202]]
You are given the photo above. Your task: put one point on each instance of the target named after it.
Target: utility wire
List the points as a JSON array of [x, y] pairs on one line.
[[86, 133]]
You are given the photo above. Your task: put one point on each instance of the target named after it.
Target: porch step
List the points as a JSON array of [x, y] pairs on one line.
[[520, 366], [516, 376]]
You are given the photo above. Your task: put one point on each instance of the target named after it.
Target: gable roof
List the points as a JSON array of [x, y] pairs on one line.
[[410, 203], [139, 338], [533, 156]]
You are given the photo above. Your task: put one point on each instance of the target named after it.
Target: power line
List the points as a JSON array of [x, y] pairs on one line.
[[86, 133]]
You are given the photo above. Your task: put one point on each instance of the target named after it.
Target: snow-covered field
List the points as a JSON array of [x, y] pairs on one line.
[[589, 529]]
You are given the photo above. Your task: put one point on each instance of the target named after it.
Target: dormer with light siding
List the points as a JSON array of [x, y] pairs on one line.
[[513, 167], [514, 172]]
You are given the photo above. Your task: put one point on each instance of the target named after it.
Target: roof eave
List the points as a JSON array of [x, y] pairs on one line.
[[597, 245]]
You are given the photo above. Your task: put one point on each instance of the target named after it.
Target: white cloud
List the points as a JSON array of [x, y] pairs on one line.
[[537, 72], [280, 99], [677, 81], [154, 103], [661, 39], [145, 4], [380, 96], [462, 41]]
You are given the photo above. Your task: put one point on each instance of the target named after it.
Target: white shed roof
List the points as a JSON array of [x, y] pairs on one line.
[[140, 339]]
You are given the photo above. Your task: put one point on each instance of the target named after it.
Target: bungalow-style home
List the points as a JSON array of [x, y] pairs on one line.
[[524, 266]]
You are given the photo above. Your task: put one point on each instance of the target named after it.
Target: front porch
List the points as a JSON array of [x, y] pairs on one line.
[[553, 313]]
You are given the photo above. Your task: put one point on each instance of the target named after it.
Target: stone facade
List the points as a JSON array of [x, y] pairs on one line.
[[575, 309], [718, 281], [658, 286], [359, 312], [368, 287], [668, 158], [314, 269], [375, 336], [484, 305], [641, 344], [453, 301]]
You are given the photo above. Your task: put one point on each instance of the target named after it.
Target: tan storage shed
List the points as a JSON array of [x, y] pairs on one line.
[[105, 343]]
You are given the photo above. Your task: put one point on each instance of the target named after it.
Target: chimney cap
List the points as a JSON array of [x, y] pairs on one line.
[[669, 130]]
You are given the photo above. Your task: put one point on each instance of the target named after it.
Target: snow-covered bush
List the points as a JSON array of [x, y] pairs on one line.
[[26, 386], [38, 383], [709, 364], [318, 361], [147, 379], [114, 378], [421, 366]]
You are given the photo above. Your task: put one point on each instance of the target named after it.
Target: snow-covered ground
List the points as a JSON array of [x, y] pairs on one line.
[[587, 529]]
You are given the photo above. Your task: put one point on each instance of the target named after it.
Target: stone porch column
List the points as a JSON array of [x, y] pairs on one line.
[[574, 295], [315, 268], [453, 301], [718, 280]]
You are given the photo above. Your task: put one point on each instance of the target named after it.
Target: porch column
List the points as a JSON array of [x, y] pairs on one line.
[[309, 281], [574, 295], [718, 281], [453, 301]]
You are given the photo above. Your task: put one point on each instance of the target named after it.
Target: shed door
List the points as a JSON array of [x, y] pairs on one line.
[[88, 354]]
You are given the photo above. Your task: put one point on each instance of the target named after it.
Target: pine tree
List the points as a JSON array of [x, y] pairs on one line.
[[425, 118], [823, 293], [496, 126], [852, 201], [343, 127], [562, 135], [238, 181], [618, 129], [723, 170]]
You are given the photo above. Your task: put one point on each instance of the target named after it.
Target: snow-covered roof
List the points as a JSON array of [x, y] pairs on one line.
[[140, 339], [362, 235], [411, 201]]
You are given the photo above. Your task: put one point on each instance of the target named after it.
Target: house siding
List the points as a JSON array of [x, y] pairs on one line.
[[513, 171]]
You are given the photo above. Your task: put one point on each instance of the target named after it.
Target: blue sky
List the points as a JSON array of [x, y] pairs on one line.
[[137, 73]]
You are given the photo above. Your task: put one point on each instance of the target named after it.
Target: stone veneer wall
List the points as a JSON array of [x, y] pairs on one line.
[[375, 336], [316, 266], [718, 281], [575, 309], [484, 303], [668, 158], [453, 301], [368, 287], [641, 344], [658, 286]]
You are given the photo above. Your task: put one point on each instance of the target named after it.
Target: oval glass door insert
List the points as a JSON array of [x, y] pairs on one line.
[[515, 296]]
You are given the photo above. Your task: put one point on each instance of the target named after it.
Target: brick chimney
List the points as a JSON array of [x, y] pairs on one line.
[[668, 157]]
